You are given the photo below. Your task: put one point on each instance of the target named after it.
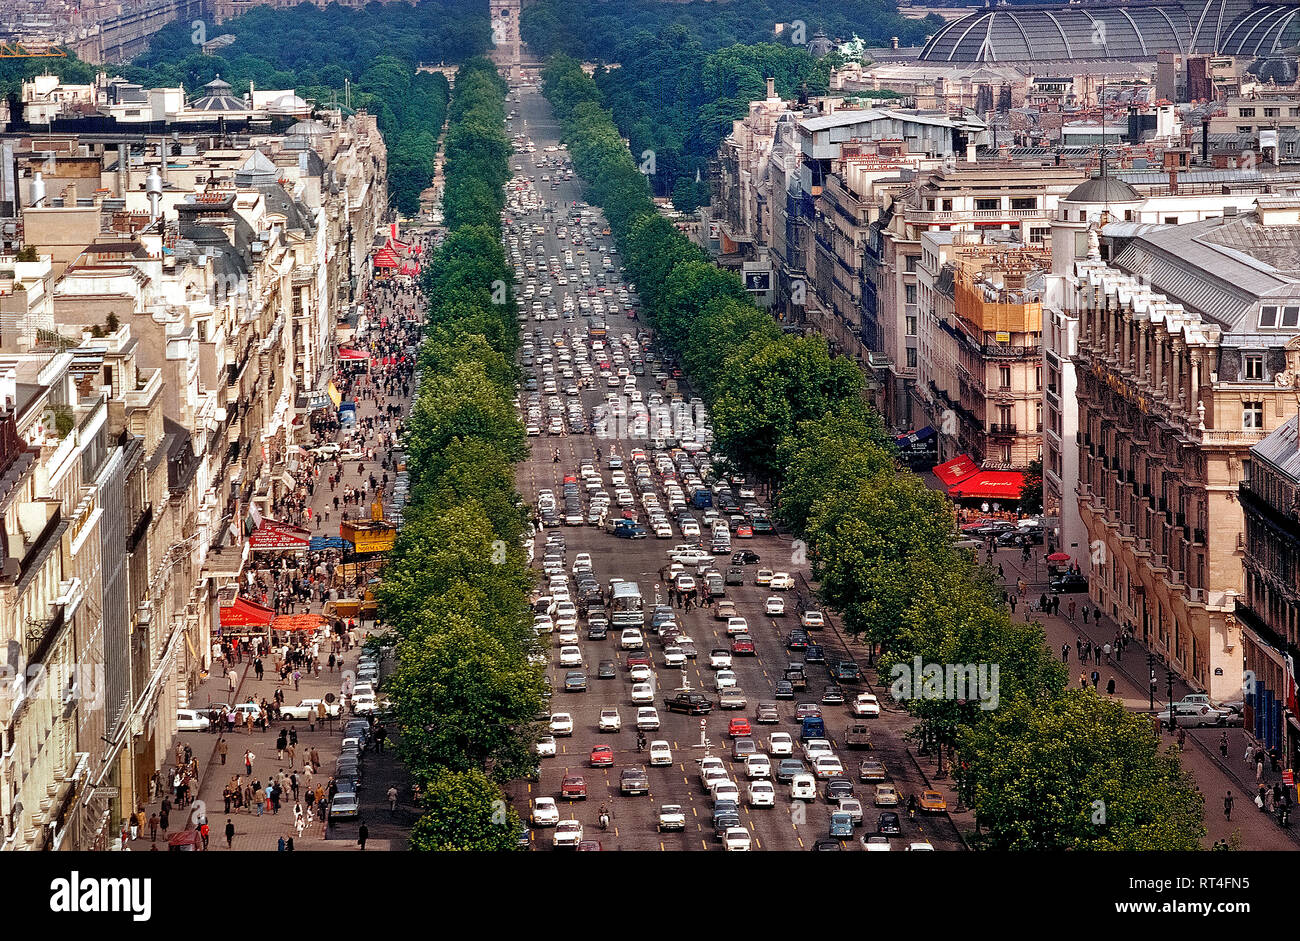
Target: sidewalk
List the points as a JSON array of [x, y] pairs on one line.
[[263, 832]]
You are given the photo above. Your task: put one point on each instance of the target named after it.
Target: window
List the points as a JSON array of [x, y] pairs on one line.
[[929, 205], [1271, 112], [1289, 147], [947, 205], [1024, 202], [1038, 234], [1253, 366], [911, 262], [1038, 378], [1245, 129], [988, 205], [1171, 220], [1246, 113], [1252, 415], [1268, 316], [911, 357], [1004, 376], [202, 326], [909, 293], [911, 325], [1038, 412]]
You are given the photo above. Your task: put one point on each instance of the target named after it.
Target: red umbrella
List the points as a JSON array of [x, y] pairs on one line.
[[1058, 557]]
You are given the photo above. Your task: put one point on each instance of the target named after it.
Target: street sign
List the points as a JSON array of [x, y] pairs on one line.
[[1288, 777]]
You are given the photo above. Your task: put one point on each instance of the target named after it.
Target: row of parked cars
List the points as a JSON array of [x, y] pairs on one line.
[[356, 737]]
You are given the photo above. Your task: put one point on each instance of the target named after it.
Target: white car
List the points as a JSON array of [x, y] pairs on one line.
[[803, 787], [191, 720], [662, 530], [671, 817], [725, 678], [631, 639], [546, 746], [691, 556], [570, 656], [780, 743], [610, 720], [690, 529], [568, 636], [874, 843], [761, 794], [827, 766], [866, 704], [561, 724], [545, 812], [674, 657], [647, 717], [737, 625], [758, 766], [643, 692], [923, 846], [781, 581], [815, 747], [812, 619], [640, 673], [568, 834], [720, 659], [775, 606], [660, 753], [736, 840], [725, 790]]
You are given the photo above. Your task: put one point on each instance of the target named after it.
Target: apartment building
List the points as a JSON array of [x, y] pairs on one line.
[[980, 344], [1186, 358], [156, 360]]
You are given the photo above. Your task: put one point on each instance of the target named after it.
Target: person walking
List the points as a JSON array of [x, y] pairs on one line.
[[392, 799], [363, 834], [153, 828], [1223, 745], [1065, 653], [230, 834], [248, 762], [1096, 678], [1110, 686], [1227, 806], [222, 749]]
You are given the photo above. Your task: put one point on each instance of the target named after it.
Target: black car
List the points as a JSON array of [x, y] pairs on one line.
[[735, 576], [1021, 537], [837, 788], [827, 846], [724, 806], [814, 653], [784, 689], [597, 631], [723, 822], [744, 557], [887, 824], [832, 695], [606, 670], [575, 681], [1068, 584], [633, 781], [693, 704], [797, 639]]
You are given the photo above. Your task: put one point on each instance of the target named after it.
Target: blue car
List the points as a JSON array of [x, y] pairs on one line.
[[842, 825]]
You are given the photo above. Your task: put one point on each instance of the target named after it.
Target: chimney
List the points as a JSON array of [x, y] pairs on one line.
[[771, 89], [893, 42], [1205, 139]]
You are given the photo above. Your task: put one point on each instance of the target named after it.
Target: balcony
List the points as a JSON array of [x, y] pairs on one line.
[[974, 215], [998, 351], [1002, 430]]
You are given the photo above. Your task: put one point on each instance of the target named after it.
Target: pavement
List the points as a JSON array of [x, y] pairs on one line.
[[253, 832]]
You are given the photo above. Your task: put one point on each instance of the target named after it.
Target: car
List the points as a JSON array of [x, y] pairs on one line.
[[546, 746], [887, 824], [872, 770], [827, 766], [732, 697], [633, 781], [758, 765], [814, 653], [735, 576], [933, 802], [797, 639], [640, 673], [631, 639], [886, 795], [692, 704], [832, 696], [812, 620], [737, 625], [866, 705], [784, 689], [570, 657], [602, 756], [660, 753], [766, 713], [647, 717], [561, 724], [310, 707], [719, 658], [875, 843], [780, 743], [568, 834], [671, 817], [841, 825], [774, 606], [781, 581], [920, 846], [606, 670], [575, 681], [546, 813], [787, 768], [744, 557], [1068, 583], [724, 610], [674, 657], [344, 806], [738, 726], [763, 577], [803, 787], [610, 721], [736, 840], [643, 692], [853, 807], [573, 787], [192, 720], [724, 678]]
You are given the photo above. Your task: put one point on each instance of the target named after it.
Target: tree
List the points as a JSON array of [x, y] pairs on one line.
[[1031, 492], [467, 813]]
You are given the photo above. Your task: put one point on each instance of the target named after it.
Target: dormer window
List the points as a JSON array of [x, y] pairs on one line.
[[1285, 317]]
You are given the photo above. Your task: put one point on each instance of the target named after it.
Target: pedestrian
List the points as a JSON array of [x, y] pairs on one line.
[[381, 734], [1083, 681], [363, 834], [1110, 686], [230, 833], [1182, 738], [1096, 678], [1249, 752], [204, 833], [1227, 806], [153, 828], [222, 749], [392, 798], [248, 762], [1065, 653], [1259, 770], [1071, 609], [1085, 614], [1106, 650], [1223, 745]]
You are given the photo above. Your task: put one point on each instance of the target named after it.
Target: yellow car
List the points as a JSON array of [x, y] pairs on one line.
[[886, 795], [933, 802]]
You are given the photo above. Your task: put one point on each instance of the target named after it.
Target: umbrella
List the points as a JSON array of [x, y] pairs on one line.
[[1058, 557]]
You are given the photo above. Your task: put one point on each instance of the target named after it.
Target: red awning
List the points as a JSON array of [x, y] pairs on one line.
[[958, 469], [990, 485], [298, 622], [245, 613], [386, 258], [345, 353]]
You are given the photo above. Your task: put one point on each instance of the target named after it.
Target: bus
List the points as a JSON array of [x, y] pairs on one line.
[[628, 610]]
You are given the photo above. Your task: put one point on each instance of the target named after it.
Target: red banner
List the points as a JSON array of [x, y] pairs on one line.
[[274, 535]]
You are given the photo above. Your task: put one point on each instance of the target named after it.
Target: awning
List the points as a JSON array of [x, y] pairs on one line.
[[298, 622], [990, 485], [348, 353], [956, 470], [914, 437], [245, 613], [272, 534]]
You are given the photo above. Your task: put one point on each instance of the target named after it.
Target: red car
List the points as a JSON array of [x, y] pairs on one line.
[[639, 660], [574, 788], [741, 645], [738, 727], [602, 756], [744, 531]]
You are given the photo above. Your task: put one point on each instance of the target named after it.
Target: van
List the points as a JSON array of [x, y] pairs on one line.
[[813, 727]]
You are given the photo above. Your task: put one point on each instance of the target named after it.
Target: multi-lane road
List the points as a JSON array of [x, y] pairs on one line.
[[789, 825]]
